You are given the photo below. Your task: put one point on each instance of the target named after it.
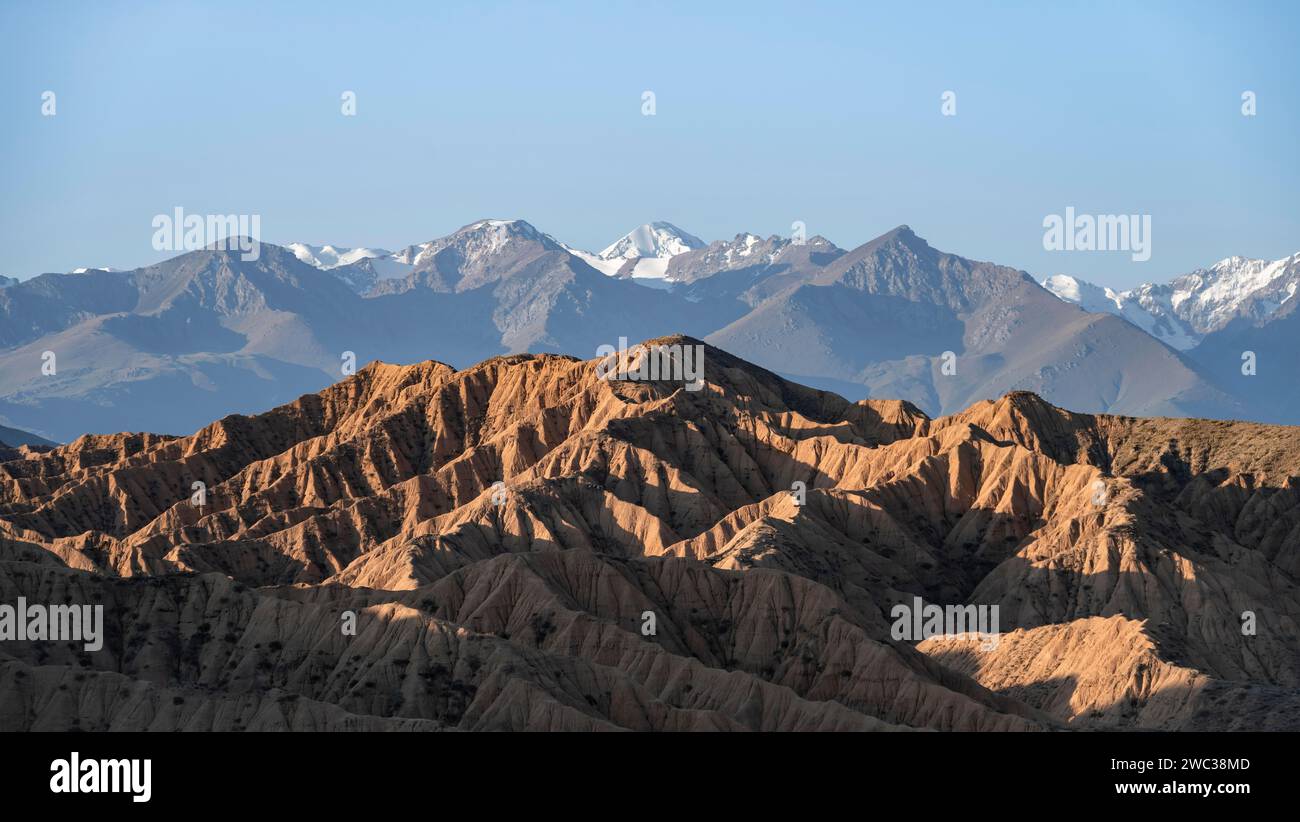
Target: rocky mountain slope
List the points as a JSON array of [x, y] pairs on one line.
[[1235, 321], [902, 319], [1189, 307], [15, 437], [170, 346], [524, 544]]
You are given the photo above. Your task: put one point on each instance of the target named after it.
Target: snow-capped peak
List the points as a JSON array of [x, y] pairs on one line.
[[486, 237], [360, 268], [658, 240], [504, 228], [607, 267], [1088, 296], [331, 256], [1181, 312], [1211, 297], [1146, 306], [412, 253]]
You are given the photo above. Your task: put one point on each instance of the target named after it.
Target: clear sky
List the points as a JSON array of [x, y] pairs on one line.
[[766, 113]]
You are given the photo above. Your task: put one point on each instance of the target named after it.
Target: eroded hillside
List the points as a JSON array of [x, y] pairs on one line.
[[504, 537]]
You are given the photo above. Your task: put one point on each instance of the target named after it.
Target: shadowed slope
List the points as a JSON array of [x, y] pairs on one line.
[[530, 516]]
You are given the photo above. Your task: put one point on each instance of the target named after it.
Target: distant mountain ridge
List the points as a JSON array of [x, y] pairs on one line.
[[1184, 310], [1236, 321], [169, 346], [13, 438], [658, 239]]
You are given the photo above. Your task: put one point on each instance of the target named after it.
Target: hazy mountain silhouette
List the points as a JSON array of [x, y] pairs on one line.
[[169, 346]]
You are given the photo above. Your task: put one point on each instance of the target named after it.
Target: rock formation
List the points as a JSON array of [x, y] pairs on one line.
[[526, 545]]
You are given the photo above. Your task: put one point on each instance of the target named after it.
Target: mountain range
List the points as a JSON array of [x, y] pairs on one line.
[[168, 347], [1185, 310], [15, 437], [527, 544]]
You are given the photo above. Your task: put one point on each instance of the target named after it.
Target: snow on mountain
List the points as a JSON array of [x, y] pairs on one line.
[[1087, 296], [412, 254], [330, 256], [1180, 313], [663, 255], [648, 246], [490, 236], [1147, 307], [358, 267], [659, 240], [607, 267], [651, 268], [5, 282], [1210, 298], [367, 269], [84, 270], [477, 241], [741, 251]]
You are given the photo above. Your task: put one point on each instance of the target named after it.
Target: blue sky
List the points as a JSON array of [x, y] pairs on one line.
[[766, 113]]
